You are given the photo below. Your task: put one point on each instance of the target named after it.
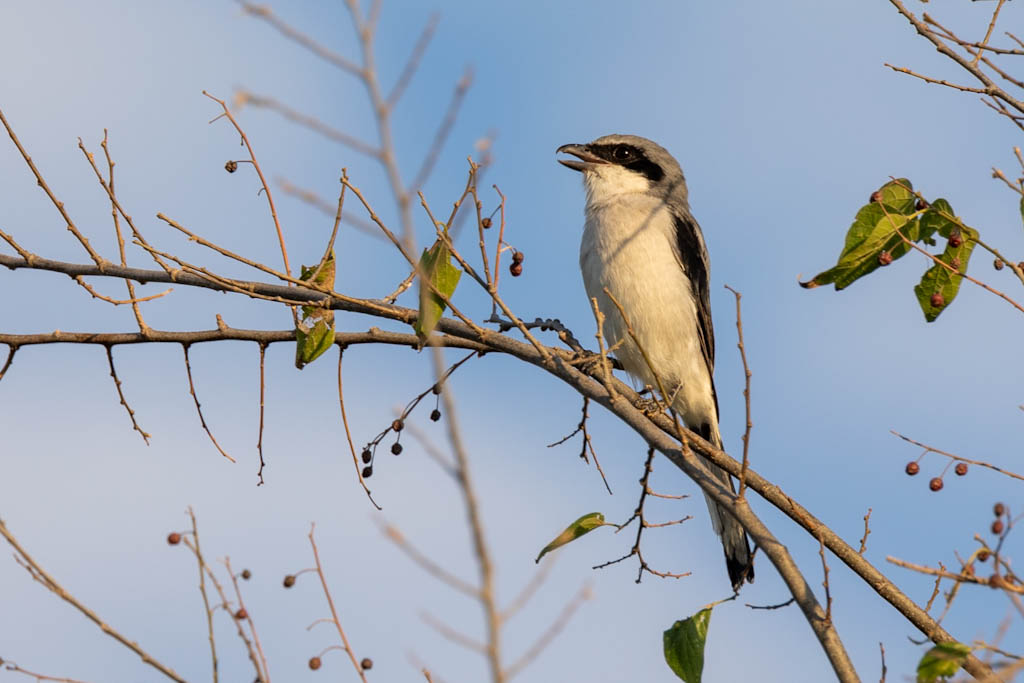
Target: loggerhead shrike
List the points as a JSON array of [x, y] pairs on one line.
[[642, 244]]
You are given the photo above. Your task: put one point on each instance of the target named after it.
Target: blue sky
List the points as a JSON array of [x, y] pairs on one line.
[[784, 119]]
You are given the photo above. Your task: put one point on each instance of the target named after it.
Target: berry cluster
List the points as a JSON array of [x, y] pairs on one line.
[[935, 483]]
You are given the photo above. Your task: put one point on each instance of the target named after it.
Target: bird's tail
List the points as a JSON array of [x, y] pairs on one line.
[[738, 559]]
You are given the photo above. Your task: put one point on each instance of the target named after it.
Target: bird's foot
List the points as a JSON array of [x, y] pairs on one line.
[[588, 362], [649, 406]]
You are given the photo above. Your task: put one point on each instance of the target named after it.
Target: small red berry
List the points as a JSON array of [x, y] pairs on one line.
[[998, 509], [241, 613], [935, 484], [960, 469], [920, 204], [517, 257], [997, 527], [366, 664], [913, 468], [884, 258], [314, 663], [983, 556], [435, 415], [516, 269], [231, 166], [486, 222], [995, 581], [396, 448], [876, 196], [998, 264], [397, 425], [246, 574], [173, 538], [289, 581], [937, 300], [955, 240]]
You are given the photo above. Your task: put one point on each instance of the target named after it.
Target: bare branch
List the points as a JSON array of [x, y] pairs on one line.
[[40, 575]]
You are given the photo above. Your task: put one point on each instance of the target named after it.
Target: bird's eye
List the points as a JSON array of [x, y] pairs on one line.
[[622, 153]]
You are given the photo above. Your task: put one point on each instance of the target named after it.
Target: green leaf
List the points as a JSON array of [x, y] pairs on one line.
[[583, 525], [898, 195], [874, 231], [436, 266], [1022, 208], [314, 332], [939, 285], [684, 646], [942, 661]]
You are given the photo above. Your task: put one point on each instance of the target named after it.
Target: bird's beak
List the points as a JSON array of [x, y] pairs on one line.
[[587, 159]]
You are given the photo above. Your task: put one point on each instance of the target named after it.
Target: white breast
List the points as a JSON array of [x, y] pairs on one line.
[[628, 247]]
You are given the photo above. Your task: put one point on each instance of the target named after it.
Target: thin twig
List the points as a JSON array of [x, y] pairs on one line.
[[199, 410], [550, 633], [263, 391], [867, 531], [330, 603], [120, 393], [426, 564], [348, 432], [263, 180], [746, 394], [202, 590], [96, 258]]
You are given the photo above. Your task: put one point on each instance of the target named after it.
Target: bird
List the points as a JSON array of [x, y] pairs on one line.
[[642, 246]]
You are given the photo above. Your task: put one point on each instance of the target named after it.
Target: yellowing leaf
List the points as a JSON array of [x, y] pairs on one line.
[[583, 525], [436, 267]]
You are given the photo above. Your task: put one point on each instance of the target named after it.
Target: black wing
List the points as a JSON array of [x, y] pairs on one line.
[[693, 257]]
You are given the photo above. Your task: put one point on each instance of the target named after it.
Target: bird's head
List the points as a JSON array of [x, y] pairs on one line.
[[616, 165]]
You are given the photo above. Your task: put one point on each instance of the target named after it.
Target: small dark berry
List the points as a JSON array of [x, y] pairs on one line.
[[876, 196], [920, 204], [231, 166], [997, 527], [955, 240], [516, 269], [937, 300], [435, 415], [366, 664], [367, 472], [995, 581], [241, 613], [396, 448], [998, 509], [517, 257], [436, 389], [397, 425], [486, 222], [998, 264], [314, 663], [884, 258], [246, 574], [173, 538], [983, 556], [961, 469], [367, 456], [289, 581], [935, 484], [913, 468]]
